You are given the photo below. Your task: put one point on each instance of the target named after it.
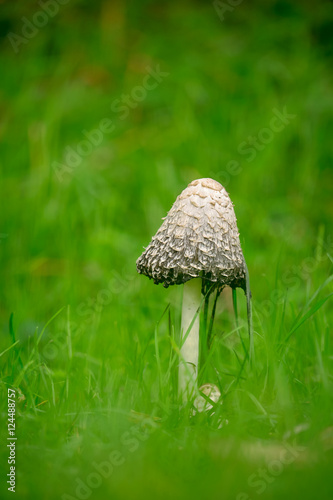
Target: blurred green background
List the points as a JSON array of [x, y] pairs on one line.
[[70, 233]]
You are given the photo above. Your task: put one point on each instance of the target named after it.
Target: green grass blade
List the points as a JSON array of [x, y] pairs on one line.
[[308, 315]]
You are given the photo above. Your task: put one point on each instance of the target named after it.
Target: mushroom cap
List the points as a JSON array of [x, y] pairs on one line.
[[199, 238]]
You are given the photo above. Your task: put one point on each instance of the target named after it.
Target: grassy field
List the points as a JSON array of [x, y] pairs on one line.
[[108, 110]]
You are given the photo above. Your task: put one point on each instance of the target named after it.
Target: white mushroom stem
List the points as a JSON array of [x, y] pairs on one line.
[[188, 368]]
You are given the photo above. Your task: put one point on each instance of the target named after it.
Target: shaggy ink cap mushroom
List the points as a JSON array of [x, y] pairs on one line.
[[199, 238]]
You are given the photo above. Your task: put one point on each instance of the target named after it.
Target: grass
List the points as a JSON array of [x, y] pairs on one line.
[[91, 346]]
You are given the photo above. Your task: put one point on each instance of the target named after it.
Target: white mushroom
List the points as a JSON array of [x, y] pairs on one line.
[[198, 245], [210, 394]]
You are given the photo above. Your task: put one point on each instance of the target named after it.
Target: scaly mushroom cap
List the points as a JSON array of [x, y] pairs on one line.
[[198, 238]]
